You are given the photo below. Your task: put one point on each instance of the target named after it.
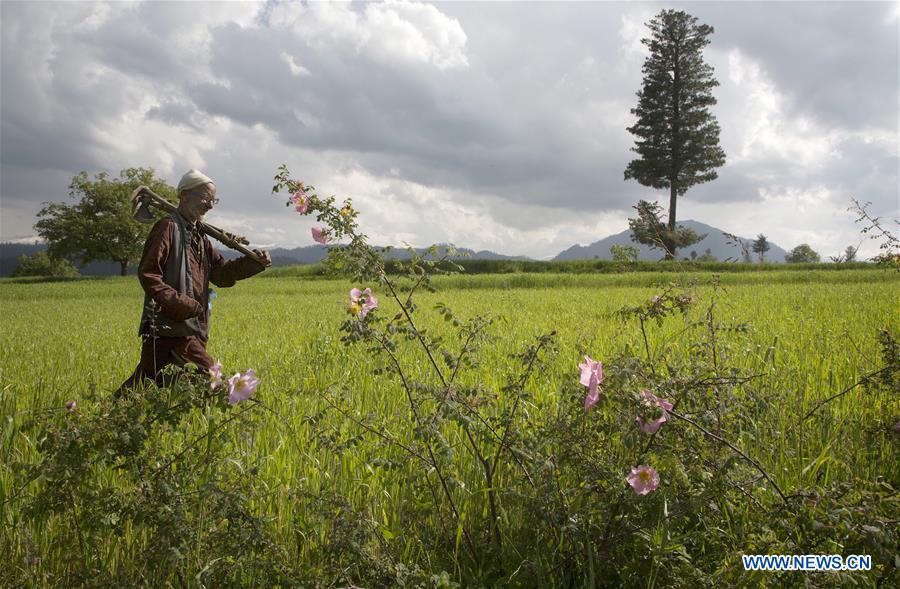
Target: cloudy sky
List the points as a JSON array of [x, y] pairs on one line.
[[489, 125]]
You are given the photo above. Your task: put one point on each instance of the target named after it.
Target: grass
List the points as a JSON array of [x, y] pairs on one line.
[[811, 333], [473, 267]]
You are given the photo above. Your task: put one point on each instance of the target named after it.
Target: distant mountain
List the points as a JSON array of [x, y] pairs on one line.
[[10, 252], [714, 240], [489, 255], [312, 254]]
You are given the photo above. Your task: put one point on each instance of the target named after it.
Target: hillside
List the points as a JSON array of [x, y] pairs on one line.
[[10, 252], [715, 241]]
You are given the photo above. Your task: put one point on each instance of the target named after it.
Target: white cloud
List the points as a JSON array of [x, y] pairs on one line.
[[893, 15], [417, 32], [394, 211], [761, 129], [394, 31], [631, 31], [296, 69]]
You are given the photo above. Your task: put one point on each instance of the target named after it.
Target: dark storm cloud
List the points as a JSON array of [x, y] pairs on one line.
[[877, 181], [33, 146], [838, 60], [52, 98], [500, 125], [131, 47], [352, 102], [473, 128], [388, 116]]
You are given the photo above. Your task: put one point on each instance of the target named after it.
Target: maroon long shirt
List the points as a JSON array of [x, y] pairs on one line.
[[207, 265]]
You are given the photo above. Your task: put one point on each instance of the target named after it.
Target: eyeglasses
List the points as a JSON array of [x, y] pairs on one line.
[[209, 200]]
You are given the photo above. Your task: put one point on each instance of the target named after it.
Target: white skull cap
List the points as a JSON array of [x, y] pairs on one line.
[[192, 179]]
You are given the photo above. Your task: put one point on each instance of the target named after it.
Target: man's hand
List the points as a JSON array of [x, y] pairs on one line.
[[264, 256]]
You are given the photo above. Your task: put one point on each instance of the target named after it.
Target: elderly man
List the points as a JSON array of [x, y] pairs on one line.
[[176, 268]]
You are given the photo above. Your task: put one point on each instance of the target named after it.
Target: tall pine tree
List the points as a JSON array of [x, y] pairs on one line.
[[676, 136]]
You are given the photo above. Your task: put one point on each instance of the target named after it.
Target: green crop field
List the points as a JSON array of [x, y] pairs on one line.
[[803, 336]]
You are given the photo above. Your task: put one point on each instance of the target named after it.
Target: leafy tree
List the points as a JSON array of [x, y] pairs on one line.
[[624, 253], [761, 246], [849, 255], [802, 253], [677, 138], [707, 256], [43, 264], [99, 226], [649, 229]]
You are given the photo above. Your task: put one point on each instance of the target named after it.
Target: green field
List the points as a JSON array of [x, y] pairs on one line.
[[805, 336]]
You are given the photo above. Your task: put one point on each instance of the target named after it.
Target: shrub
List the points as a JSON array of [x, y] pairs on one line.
[[802, 254], [43, 264]]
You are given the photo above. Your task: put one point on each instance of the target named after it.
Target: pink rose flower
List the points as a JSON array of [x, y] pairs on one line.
[[242, 386], [321, 235], [215, 376], [591, 377], [651, 401], [301, 201], [652, 426], [643, 479], [361, 302]]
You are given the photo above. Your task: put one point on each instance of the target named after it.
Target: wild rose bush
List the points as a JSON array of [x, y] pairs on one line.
[[108, 465], [633, 474]]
